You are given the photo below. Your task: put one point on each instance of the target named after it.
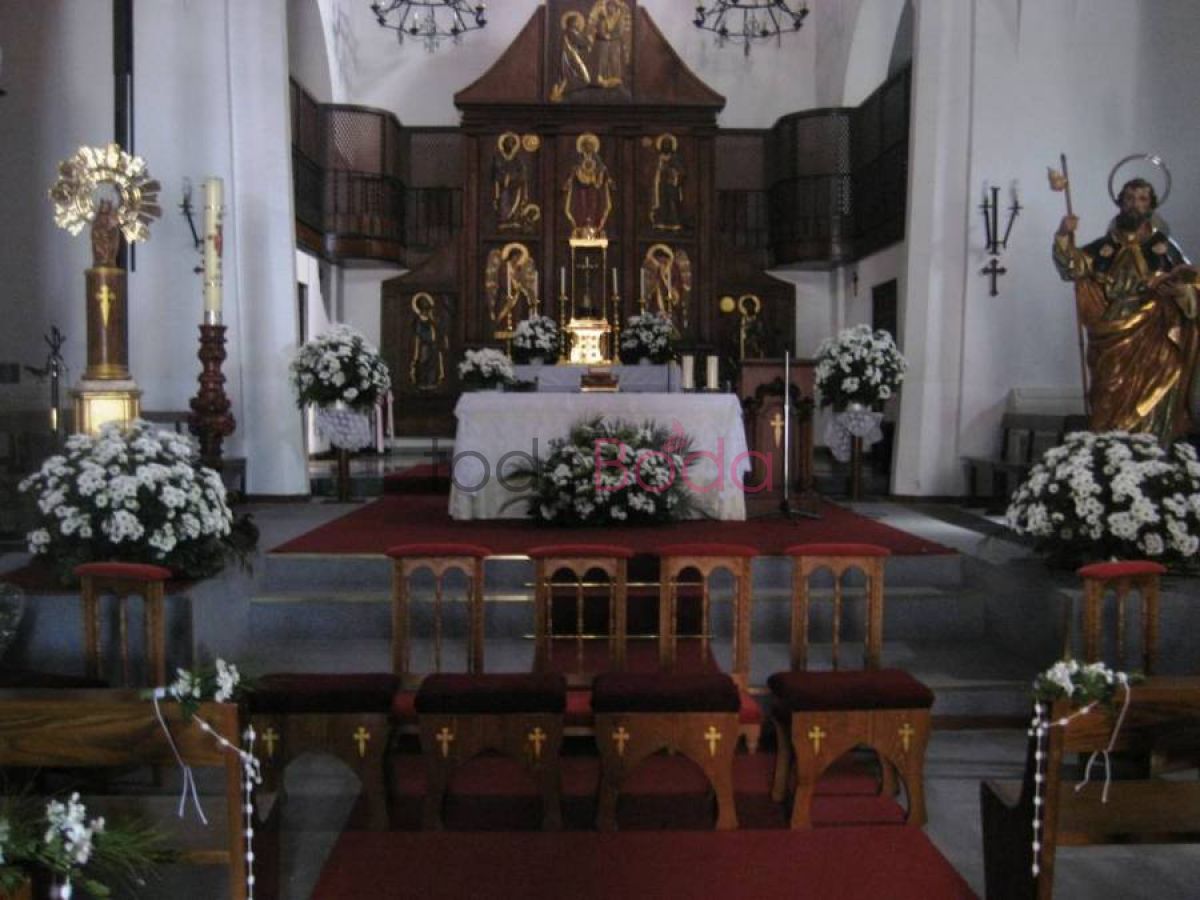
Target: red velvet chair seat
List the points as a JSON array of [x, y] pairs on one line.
[[1122, 569], [459, 694], [322, 693], [407, 551], [749, 710], [857, 689], [623, 692], [123, 570]]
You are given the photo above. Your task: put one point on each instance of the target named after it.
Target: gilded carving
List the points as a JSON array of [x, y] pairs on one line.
[[510, 280], [589, 190], [515, 211], [666, 200], [667, 276], [596, 50]]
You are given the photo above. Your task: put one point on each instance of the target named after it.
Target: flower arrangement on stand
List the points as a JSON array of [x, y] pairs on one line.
[[133, 495], [536, 338], [648, 336], [486, 369], [59, 840], [614, 473], [1112, 495], [859, 366]]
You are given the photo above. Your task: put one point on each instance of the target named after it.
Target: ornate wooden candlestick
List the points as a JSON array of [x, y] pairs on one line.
[[211, 420]]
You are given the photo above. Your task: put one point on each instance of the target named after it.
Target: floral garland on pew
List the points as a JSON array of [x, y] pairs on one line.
[[222, 684], [1092, 685]]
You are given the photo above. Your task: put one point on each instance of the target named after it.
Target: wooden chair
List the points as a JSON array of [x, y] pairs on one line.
[[639, 714], [354, 716], [704, 560], [1123, 579], [578, 654], [518, 715], [123, 580], [820, 716]]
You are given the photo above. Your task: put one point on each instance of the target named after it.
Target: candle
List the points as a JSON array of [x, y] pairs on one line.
[[213, 245], [710, 374], [642, 283], [688, 366], [615, 291], [562, 280]]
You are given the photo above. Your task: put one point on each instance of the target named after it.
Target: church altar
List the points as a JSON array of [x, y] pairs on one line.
[[499, 432], [565, 379]]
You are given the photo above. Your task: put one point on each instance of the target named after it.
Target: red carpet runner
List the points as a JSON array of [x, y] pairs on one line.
[[844, 863], [410, 518]]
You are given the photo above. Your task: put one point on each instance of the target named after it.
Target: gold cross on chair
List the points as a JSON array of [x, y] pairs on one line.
[[712, 736], [816, 734], [906, 733], [361, 737], [537, 737], [777, 428], [445, 737], [621, 736], [270, 738]]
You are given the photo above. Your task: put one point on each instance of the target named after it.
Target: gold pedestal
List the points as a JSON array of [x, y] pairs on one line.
[[98, 402], [587, 341], [107, 325]]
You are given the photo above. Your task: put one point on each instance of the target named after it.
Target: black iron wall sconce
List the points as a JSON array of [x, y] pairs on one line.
[[990, 207]]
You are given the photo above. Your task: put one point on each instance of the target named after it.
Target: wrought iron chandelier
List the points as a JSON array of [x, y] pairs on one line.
[[429, 20], [749, 20]]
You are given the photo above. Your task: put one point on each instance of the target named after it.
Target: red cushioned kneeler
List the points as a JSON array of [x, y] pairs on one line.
[[1124, 578]]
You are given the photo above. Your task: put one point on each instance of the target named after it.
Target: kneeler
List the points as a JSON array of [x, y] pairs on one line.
[[821, 715], [518, 715], [637, 715], [1122, 577], [346, 716], [123, 580]]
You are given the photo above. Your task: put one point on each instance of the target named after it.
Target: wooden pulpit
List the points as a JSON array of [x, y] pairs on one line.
[[760, 388]]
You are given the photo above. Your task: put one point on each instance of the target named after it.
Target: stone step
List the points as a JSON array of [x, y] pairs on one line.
[[316, 613]]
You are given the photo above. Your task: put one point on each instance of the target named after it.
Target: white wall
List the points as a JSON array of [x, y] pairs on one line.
[[51, 109], [308, 52]]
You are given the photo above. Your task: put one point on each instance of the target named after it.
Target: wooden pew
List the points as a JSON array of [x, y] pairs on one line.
[[116, 728], [1163, 715]]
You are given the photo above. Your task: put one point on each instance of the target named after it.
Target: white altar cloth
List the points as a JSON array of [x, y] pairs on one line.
[[498, 433], [632, 379]]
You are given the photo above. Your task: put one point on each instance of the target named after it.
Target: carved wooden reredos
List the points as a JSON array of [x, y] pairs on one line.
[[588, 126]]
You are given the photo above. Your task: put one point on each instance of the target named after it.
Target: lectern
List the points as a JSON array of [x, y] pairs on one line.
[[761, 390]]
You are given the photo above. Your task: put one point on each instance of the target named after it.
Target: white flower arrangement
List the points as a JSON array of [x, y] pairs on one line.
[[649, 335], [1081, 683], [1112, 495], [486, 368], [537, 336], [858, 366], [612, 474], [134, 495], [340, 366]]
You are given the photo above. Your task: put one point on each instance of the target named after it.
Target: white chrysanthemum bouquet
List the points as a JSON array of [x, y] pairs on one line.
[[135, 495], [649, 336], [858, 366], [537, 336], [1112, 495], [340, 366], [486, 368]]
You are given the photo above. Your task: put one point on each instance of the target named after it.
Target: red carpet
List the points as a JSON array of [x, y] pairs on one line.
[[859, 862], [412, 518]]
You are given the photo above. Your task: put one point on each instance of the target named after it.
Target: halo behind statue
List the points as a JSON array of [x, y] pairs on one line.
[[1154, 160], [74, 193]]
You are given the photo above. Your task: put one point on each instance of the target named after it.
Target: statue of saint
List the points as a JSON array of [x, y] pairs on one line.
[[427, 370], [1136, 294], [666, 210], [667, 280], [610, 25], [752, 338], [589, 190], [106, 235], [510, 185], [574, 72], [511, 278]]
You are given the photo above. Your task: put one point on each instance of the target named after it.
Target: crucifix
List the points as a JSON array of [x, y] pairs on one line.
[[906, 733], [361, 737], [270, 736], [621, 736], [445, 737], [995, 270], [537, 737], [816, 734], [712, 736], [588, 266]]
